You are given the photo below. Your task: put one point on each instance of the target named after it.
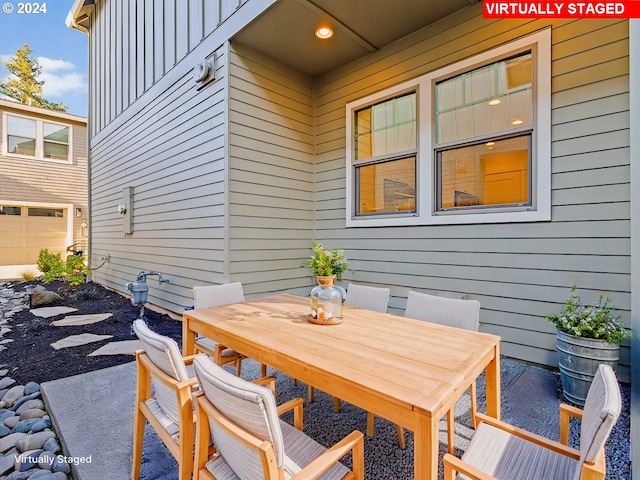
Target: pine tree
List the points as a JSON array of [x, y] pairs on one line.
[[24, 85]]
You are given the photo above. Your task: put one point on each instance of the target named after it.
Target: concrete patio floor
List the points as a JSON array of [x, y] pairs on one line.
[[93, 415]]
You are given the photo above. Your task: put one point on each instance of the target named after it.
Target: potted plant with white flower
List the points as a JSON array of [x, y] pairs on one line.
[[586, 337]]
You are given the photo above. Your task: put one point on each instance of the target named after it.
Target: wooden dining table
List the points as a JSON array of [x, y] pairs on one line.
[[408, 371]]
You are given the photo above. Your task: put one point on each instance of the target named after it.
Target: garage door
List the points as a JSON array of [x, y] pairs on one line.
[[24, 230]]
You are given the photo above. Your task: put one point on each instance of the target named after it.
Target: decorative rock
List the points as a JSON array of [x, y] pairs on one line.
[[46, 460], [10, 441], [12, 421], [31, 442], [41, 474], [52, 445], [53, 476], [7, 463], [29, 405], [41, 425], [19, 475], [13, 394], [24, 399], [42, 297], [6, 382], [24, 426], [31, 387], [27, 460], [59, 465], [4, 431], [31, 413], [6, 414]]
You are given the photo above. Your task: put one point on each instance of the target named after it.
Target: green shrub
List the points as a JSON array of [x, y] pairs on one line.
[[73, 270]]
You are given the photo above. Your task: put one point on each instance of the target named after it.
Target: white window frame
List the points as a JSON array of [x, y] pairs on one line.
[[39, 156], [426, 214]]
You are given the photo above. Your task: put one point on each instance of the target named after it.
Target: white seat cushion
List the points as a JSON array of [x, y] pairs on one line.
[[508, 457]]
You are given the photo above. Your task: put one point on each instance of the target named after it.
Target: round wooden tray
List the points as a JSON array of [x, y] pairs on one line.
[[335, 321]]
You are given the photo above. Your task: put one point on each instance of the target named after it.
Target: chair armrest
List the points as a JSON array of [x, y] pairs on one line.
[[295, 405], [353, 441], [565, 412], [531, 437], [453, 465], [188, 360], [269, 382]]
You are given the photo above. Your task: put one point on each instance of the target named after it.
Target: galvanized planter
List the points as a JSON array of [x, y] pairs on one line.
[[578, 359]]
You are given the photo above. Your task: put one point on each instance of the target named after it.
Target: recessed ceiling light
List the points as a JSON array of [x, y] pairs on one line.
[[324, 33], [490, 144], [517, 121], [494, 102]]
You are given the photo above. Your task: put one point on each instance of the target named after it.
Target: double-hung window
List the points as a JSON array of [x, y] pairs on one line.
[[35, 138], [468, 143]]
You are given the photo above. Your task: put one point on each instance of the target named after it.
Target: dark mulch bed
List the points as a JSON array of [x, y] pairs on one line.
[[30, 357]]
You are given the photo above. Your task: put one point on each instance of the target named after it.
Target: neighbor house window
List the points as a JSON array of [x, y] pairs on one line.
[[36, 138], [468, 143]]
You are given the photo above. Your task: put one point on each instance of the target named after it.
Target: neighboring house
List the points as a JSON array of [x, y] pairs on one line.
[[43, 185], [444, 152]]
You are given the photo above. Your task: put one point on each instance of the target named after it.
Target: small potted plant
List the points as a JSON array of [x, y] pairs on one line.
[[586, 337], [326, 300]]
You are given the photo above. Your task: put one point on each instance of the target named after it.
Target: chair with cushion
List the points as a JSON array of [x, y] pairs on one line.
[[168, 407], [241, 420], [213, 296], [504, 452], [454, 313]]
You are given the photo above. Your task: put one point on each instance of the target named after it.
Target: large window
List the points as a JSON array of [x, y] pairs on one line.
[[469, 143], [35, 138]]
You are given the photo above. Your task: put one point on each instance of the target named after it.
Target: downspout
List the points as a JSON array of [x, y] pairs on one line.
[[634, 157], [89, 130]]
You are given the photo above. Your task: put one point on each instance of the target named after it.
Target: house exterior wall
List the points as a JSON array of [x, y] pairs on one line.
[[45, 183], [159, 132], [271, 147], [520, 273]]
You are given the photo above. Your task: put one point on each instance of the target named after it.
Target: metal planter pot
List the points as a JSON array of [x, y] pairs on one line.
[[578, 359]]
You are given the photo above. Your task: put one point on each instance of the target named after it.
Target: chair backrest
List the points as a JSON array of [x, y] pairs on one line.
[[165, 354], [249, 406], [370, 298], [601, 410], [445, 311], [214, 295]]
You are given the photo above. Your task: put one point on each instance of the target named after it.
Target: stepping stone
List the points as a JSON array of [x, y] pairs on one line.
[[76, 340], [77, 320], [126, 347], [47, 312]]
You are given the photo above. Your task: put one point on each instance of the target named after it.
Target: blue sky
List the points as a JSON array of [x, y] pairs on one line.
[[61, 52]]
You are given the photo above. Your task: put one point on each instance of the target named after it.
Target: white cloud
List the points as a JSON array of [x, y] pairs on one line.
[[57, 85], [52, 65]]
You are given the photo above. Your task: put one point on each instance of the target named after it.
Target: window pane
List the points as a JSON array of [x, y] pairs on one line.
[[21, 127], [46, 212], [56, 150], [386, 128], [489, 99], [22, 146], [387, 187], [56, 133], [10, 210], [492, 173]]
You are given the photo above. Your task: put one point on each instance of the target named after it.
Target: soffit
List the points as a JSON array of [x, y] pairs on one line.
[[285, 32]]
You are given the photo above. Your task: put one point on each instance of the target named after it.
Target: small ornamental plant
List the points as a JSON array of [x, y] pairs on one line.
[[599, 322], [326, 263]]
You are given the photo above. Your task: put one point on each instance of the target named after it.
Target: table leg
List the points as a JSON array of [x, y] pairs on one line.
[[492, 377], [425, 448], [188, 338]]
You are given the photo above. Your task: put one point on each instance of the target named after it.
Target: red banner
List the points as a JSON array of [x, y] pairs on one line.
[[559, 9]]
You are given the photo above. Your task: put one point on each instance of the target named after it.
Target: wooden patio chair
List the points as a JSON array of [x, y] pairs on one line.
[[499, 451], [241, 420], [213, 296], [168, 407], [454, 313], [361, 296]]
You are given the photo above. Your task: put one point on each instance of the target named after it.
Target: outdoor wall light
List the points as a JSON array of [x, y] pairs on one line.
[[494, 102], [517, 121], [324, 33], [78, 212], [122, 208]]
